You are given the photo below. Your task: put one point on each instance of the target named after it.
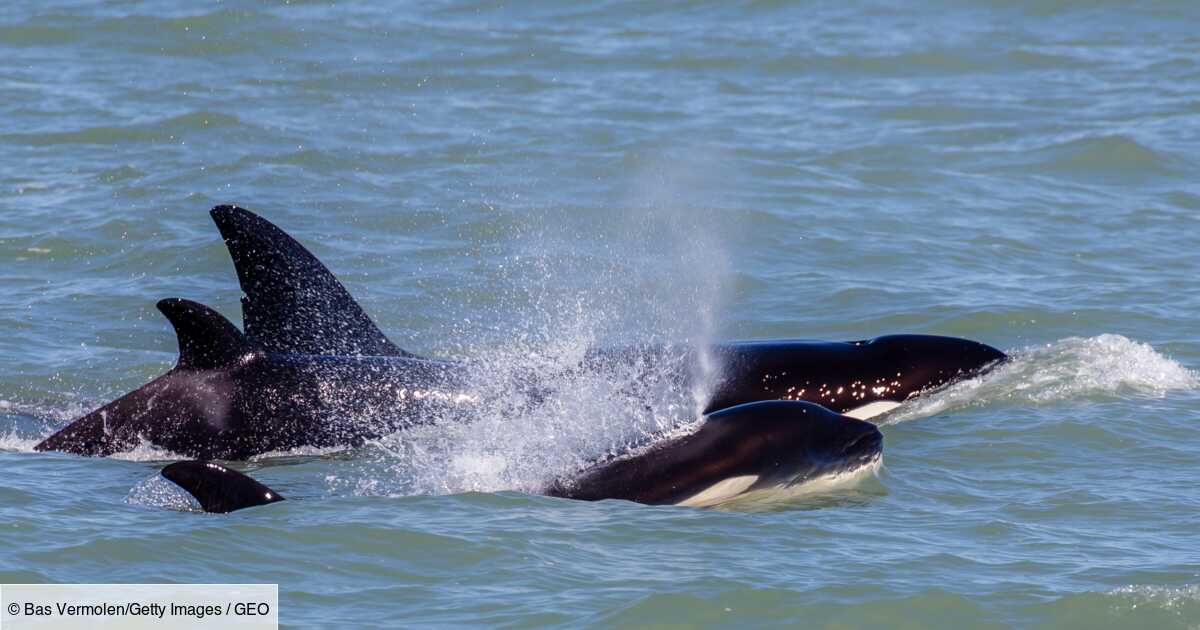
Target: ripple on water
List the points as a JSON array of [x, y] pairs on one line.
[[1018, 173], [1108, 156]]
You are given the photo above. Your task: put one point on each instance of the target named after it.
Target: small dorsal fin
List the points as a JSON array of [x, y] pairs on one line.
[[206, 339], [292, 302], [217, 488]]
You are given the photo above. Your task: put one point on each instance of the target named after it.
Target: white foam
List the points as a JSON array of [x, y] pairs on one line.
[[1076, 367], [1171, 598], [147, 452], [12, 442], [32, 423], [301, 451]]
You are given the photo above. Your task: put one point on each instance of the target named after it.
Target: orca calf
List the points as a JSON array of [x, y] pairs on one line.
[[751, 448], [747, 450], [312, 369]]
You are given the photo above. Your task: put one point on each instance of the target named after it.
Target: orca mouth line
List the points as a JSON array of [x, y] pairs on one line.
[[867, 443]]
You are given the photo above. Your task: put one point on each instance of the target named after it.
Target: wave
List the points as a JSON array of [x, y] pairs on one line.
[[1108, 155], [167, 129], [1137, 605], [1165, 597], [1107, 365]]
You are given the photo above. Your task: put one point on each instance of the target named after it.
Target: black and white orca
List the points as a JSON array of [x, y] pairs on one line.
[[751, 449], [755, 449]]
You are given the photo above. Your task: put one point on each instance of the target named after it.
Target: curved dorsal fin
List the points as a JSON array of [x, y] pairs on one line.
[[293, 303], [206, 339], [217, 488]]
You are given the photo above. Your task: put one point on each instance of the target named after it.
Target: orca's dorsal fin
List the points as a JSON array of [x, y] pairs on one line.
[[292, 302], [217, 488], [206, 339]]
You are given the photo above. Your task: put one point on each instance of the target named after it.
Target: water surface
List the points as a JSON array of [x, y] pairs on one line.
[[521, 183]]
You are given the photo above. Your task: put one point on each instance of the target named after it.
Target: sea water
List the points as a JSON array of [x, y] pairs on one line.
[[515, 184]]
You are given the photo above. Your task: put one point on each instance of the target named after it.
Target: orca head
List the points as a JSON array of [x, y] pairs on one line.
[[795, 442], [913, 364], [755, 446]]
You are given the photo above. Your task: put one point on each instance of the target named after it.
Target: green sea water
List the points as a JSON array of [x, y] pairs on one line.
[[524, 181]]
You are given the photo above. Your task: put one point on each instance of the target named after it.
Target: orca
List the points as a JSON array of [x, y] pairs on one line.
[[227, 398], [312, 369], [751, 448], [863, 378], [755, 449]]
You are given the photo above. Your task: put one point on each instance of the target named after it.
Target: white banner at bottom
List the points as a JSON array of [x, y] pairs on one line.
[[187, 606]]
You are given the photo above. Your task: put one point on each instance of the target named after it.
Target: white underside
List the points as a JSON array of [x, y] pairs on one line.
[[870, 410], [720, 492], [734, 489]]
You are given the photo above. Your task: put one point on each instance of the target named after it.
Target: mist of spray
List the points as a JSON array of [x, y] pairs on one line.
[[610, 313]]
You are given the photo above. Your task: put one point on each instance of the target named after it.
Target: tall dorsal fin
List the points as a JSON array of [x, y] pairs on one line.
[[217, 488], [206, 339], [293, 303]]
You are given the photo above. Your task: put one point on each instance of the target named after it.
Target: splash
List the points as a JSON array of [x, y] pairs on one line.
[[1182, 599], [14, 442], [1077, 367], [27, 424], [650, 279], [148, 452], [520, 443], [157, 492], [549, 408]]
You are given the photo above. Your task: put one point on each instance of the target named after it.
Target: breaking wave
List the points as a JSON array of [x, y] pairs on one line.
[[1071, 368], [25, 424]]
